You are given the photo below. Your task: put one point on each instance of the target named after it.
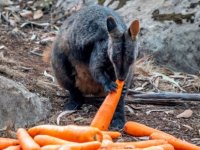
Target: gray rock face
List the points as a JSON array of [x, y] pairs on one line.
[[19, 106], [170, 30]]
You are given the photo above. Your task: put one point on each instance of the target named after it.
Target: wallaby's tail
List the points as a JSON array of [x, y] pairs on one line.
[[47, 54]]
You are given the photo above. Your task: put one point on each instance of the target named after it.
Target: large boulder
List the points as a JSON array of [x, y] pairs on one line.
[[170, 30], [19, 106]]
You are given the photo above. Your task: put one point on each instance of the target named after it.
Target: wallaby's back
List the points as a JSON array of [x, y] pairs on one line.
[[86, 27]]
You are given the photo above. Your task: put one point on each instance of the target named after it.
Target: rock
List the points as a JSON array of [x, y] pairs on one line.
[[65, 8], [170, 30], [19, 106], [5, 2]]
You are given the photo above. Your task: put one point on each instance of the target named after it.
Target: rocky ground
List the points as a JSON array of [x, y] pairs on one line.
[[20, 60]]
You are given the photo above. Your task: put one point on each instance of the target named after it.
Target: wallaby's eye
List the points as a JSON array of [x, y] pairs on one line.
[[102, 40], [130, 60], [116, 58]]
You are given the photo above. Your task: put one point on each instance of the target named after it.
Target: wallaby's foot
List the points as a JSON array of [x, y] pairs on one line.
[[110, 86], [117, 123], [73, 105], [75, 102]]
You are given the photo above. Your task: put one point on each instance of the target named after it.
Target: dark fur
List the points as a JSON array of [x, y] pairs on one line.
[[91, 51]]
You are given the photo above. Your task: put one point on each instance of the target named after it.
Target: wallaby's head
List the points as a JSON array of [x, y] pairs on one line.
[[122, 46]]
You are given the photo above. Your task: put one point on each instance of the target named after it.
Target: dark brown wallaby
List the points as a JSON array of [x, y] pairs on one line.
[[92, 49]]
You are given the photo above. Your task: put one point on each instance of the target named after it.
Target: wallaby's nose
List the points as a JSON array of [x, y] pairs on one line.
[[121, 78]]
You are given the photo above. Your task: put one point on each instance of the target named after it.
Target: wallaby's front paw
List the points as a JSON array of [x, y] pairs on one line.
[[110, 86]]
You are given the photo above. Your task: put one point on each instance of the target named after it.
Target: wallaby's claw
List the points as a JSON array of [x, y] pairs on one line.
[[111, 86]]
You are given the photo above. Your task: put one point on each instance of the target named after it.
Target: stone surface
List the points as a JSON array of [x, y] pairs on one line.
[[170, 30], [20, 107]]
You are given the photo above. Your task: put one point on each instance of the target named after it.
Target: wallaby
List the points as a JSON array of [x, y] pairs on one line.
[[92, 49]]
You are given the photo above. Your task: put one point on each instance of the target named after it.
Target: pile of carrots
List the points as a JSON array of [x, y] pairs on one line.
[[95, 136]]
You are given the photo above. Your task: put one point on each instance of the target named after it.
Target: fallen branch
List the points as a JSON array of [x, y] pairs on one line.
[[40, 25], [167, 95], [11, 72], [166, 102]]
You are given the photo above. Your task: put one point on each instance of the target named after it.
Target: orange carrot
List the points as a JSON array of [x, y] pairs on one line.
[[25, 140], [108, 107], [113, 134], [107, 137], [144, 144], [138, 129], [160, 147], [177, 143], [139, 144], [17, 147], [5, 142], [106, 140], [70, 133], [81, 146], [43, 140], [51, 147]]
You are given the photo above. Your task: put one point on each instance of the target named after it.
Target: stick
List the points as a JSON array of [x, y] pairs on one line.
[[168, 95], [36, 53], [166, 102]]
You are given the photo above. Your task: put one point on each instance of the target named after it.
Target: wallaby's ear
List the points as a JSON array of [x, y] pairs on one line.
[[112, 27], [111, 24], [134, 29]]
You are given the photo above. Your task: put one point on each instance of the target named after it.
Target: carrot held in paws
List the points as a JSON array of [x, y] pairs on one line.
[[26, 141], [5, 142], [138, 129], [72, 133], [177, 143], [105, 113], [43, 140], [17, 147]]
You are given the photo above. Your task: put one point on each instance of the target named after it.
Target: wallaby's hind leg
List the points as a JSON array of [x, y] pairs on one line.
[[76, 99], [118, 120], [63, 71]]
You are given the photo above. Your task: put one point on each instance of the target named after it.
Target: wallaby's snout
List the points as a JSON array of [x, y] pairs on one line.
[[122, 72]]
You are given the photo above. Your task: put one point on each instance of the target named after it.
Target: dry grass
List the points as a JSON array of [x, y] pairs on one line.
[[151, 77]]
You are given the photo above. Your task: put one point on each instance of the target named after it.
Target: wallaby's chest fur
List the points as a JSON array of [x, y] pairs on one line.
[[85, 83]]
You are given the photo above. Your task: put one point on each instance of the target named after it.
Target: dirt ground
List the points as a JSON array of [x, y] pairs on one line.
[[20, 63]]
